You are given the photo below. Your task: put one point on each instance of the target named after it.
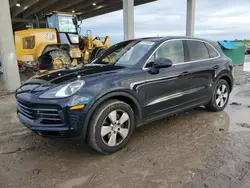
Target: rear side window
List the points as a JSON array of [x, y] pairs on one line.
[[197, 50], [212, 51]]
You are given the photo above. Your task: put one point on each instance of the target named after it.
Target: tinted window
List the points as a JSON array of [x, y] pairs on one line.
[[212, 52], [197, 50], [172, 50]]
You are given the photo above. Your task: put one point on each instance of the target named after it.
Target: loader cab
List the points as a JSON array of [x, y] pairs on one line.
[[66, 26]]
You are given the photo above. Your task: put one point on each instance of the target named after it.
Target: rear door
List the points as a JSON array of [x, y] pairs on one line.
[[204, 60]]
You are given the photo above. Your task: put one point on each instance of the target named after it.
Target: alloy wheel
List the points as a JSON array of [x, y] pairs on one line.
[[221, 95], [115, 128]]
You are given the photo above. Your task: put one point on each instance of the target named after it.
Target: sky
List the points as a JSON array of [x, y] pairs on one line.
[[214, 20]]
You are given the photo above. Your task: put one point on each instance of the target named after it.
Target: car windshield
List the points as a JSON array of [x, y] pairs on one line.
[[125, 54]]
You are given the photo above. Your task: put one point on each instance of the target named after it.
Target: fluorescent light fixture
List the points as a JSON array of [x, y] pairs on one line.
[[18, 5], [94, 4]]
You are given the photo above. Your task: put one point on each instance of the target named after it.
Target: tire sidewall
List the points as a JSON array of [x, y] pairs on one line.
[[219, 84], [53, 55], [95, 53], [97, 125]]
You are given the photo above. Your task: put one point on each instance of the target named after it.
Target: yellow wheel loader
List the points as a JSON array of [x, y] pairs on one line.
[[59, 41]]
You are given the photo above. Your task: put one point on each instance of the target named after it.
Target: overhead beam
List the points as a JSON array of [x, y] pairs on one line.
[[38, 8], [43, 7], [13, 3], [21, 26], [85, 14], [100, 5], [62, 5], [190, 18], [98, 12], [88, 4], [23, 20], [24, 6]]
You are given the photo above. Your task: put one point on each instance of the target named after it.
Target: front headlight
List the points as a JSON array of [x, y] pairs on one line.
[[63, 90]]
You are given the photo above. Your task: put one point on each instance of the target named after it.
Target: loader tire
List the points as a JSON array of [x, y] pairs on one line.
[[60, 58], [96, 52]]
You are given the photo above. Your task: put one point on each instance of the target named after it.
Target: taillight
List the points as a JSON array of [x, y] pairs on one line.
[[29, 42]]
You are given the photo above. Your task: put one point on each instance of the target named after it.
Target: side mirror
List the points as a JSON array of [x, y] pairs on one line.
[[162, 63]]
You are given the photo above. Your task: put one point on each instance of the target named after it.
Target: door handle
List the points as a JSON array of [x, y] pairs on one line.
[[185, 73], [216, 67]]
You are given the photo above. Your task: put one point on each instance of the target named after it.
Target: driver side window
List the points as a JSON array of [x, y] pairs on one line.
[[172, 50]]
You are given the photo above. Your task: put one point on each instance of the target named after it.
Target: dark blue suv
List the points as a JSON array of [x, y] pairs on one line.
[[128, 85]]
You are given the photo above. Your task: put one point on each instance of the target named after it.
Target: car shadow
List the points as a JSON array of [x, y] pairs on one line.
[[179, 124]]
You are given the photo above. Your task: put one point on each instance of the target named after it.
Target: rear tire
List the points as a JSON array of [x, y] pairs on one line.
[[111, 127], [220, 96]]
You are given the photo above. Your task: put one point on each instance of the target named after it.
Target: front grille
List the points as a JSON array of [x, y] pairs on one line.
[[42, 115]]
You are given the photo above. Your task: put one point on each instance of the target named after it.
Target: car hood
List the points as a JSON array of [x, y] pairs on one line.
[[45, 80]]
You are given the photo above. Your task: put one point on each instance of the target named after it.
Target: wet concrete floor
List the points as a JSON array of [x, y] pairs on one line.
[[195, 149]]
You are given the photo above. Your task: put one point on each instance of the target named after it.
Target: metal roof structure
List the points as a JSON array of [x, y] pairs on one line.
[[29, 11]]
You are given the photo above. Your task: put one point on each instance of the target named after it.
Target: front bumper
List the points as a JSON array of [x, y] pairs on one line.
[[50, 118]]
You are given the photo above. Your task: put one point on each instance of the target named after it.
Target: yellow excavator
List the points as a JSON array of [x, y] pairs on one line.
[[59, 41]]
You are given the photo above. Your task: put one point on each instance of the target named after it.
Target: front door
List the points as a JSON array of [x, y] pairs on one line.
[[168, 90]]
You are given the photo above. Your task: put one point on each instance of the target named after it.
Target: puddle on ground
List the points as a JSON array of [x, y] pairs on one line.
[[238, 109]]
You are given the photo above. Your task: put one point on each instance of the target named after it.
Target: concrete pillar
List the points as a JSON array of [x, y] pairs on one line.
[[190, 18], [7, 49], [128, 19]]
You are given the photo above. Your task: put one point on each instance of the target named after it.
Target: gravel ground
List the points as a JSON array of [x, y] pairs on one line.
[[194, 149]]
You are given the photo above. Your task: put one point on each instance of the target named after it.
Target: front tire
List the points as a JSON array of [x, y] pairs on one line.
[[111, 127], [220, 96]]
